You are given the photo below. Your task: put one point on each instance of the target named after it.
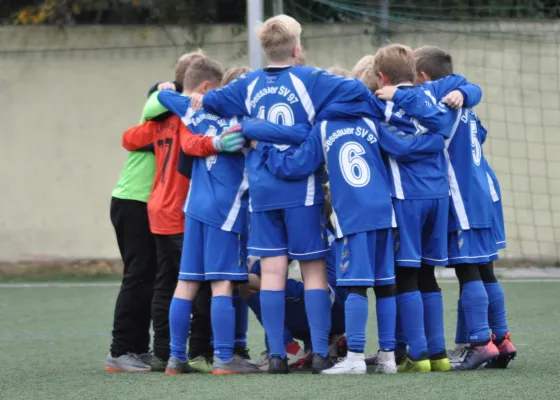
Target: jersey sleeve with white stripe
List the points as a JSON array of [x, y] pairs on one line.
[[218, 195], [359, 185], [285, 96]]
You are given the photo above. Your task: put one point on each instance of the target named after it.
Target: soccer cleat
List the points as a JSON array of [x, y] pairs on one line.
[[439, 362], [338, 347], [399, 356], [146, 358], [278, 365], [320, 363], [353, 364], [474, 355], [235, 366], [157, 364], [422, 364], [242, 352], [385, 362], [175, 366], [296, 356], [201, 364], [507, 353], [456, 354], [128, 362]]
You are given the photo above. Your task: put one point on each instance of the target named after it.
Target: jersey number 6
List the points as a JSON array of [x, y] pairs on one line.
[[355, 169]]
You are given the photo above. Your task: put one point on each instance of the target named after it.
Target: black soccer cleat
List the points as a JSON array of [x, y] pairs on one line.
[[242, 352], [477, 354], [278, 365], [320, 363]]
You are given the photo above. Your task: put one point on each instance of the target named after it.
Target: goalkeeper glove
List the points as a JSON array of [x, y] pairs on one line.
[[230, 141]]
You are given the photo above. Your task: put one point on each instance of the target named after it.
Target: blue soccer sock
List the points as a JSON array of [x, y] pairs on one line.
[[318, 308], [254, 303], [433, 322], [179, 325], [496, 310], [461, 333], [273, 308], [223, 326], [411, 313], [294, 290], [288, 337], [475, 306], [400, 347], [241, 320], [386, 308], [356, 315]]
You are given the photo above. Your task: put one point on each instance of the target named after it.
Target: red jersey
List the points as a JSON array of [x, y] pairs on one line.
[[170, 187]]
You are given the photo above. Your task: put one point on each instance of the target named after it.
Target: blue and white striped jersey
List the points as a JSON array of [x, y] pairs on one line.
[[218, 193], [285, 96], [351, 150]]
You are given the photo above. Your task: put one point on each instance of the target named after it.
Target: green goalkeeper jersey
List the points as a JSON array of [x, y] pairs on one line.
[[137, 176]]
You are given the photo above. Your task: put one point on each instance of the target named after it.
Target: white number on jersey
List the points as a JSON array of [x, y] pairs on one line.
[[475, 144], [354, 168], [211, 160], [279, 114]]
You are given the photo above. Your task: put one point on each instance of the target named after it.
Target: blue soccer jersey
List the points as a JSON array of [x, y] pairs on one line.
[[359, 185], [218, 193], [413, 112], [471, 203], [285, 96]]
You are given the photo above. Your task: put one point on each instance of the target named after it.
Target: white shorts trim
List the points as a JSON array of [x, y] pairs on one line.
[[306, 254]]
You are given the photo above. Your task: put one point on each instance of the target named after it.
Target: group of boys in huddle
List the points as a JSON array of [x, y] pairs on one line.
[[367, 179]]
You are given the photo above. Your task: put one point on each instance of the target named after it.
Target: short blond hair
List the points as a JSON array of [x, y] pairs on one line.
[[278, 36], [203, 69], [396, 62], [336, 70], [233, 73], [364, 71], [185, 62]]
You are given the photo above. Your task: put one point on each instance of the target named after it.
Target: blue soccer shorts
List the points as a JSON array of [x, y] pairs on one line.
[[498, 227], [299, 232], [211, 254], [421, 235], [473, 246], [366, 259]]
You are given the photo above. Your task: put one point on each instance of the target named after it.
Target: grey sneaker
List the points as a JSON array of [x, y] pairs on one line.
[[237, 365], [176, 367], [146, 358], [157, 364], [129, 362]]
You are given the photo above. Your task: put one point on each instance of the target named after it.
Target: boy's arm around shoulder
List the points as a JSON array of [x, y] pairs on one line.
[[294, 164], [140, 137], [406, 147], [230, 100], [259, 129]]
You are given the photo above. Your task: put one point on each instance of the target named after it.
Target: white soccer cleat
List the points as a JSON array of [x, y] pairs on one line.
[[353, 364], [386, 362]]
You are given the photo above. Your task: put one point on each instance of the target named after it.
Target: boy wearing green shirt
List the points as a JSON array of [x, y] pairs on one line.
[[131, 338]]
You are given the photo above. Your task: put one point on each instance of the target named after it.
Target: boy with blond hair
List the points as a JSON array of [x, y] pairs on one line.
[[286, 216]]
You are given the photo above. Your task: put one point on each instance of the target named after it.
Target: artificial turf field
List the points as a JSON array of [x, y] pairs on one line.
[[53, 342]]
